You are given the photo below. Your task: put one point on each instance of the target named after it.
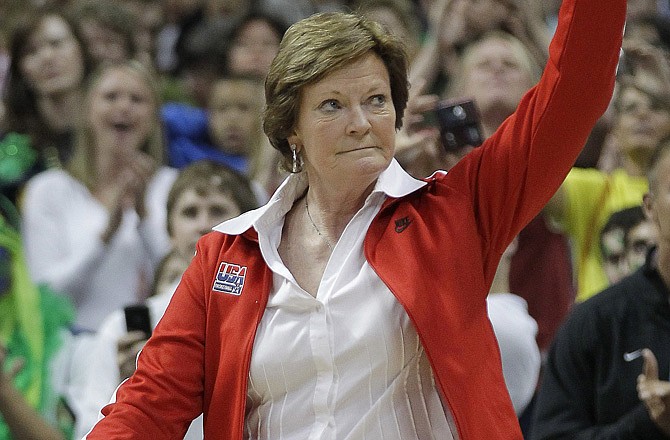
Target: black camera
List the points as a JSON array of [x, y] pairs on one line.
[[459, 124]]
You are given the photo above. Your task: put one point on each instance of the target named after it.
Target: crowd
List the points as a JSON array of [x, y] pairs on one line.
[[130, 129]]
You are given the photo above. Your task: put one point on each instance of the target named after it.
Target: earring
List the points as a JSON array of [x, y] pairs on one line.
[[296, 165]]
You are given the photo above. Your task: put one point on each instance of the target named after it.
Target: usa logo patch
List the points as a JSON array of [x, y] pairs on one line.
[[230, 278]]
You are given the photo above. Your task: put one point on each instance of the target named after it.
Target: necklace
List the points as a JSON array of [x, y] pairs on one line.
[[315, 227]]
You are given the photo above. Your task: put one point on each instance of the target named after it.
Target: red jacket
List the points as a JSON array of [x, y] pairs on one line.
[[437, 249]]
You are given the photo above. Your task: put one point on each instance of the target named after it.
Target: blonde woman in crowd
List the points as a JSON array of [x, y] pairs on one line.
[[96, 230]]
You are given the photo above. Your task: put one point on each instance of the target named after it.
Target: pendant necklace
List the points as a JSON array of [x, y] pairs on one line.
[[323, 237]]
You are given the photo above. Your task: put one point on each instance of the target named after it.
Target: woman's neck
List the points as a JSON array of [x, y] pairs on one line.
[[60, 111], [334, 208], [107, 166]]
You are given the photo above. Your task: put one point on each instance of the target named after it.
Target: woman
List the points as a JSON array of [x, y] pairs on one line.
[[254, 42], [353, 304], [104, 217], [43, 95]]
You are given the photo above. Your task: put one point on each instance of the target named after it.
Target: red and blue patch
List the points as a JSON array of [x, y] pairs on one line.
[[230, 278]]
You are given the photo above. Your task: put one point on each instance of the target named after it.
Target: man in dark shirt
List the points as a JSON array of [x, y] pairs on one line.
[[589, 384]]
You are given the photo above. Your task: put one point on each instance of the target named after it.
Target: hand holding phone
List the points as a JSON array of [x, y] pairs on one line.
[[459, 124], [138, 318]]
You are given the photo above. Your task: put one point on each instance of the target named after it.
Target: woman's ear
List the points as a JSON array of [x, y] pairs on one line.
[[293, 139]]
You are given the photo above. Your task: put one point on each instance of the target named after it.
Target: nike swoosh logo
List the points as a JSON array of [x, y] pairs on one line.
[[401, 224], [632, 355]]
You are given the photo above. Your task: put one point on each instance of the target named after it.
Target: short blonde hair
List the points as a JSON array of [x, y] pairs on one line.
[[316, 46]]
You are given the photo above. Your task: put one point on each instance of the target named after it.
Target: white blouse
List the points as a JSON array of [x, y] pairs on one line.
[[347, 364]]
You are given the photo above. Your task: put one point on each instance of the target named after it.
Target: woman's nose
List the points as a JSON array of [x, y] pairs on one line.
[[360, 121]]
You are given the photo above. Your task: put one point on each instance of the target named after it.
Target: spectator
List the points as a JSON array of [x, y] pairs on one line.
[[108, 28], [42, 98], [624, 242], [588, 197], [291, 11], [204, 194], [104, 216], [588, 388], [516, 333], [454, 24], [398, 16], [228, 131], [639, 239], [254, 42], [149, 19]]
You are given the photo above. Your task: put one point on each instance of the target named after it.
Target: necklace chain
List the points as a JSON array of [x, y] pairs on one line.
[[315, 227]]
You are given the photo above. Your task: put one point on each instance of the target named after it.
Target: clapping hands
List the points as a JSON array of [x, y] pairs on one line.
[[127, 190]]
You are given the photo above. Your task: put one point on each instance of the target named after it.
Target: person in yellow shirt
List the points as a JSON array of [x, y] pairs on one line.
[[589, 196]]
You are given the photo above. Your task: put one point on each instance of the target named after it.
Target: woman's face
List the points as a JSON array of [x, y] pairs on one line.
[[194, 214], [496, 76], [104, 44], [346, 123], [122, 110], [234, 115], [254, 48], [642, 121], [53, 62]]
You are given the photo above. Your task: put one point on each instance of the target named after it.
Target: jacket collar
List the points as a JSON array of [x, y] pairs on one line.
[[393, 182]]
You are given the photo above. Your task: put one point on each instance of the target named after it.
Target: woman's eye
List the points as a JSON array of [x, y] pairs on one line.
[[138, 99], [189, 212], [378, 100], [330, 105], [218, 212]]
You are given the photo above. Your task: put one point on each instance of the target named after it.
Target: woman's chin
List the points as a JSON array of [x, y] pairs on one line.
[[370, 165]]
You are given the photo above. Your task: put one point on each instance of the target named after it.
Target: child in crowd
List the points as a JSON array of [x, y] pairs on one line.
[[624, 242], [204, 194], [228, 131], [224, 132]]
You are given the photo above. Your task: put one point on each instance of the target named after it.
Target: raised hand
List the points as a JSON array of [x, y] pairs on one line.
[[654, 393]]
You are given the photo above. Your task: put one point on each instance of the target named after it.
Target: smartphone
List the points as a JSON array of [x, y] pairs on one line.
[[138, 318], [459, 124]]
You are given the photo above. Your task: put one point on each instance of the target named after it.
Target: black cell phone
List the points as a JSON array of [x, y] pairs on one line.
[[459, 124], [138, 318]]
